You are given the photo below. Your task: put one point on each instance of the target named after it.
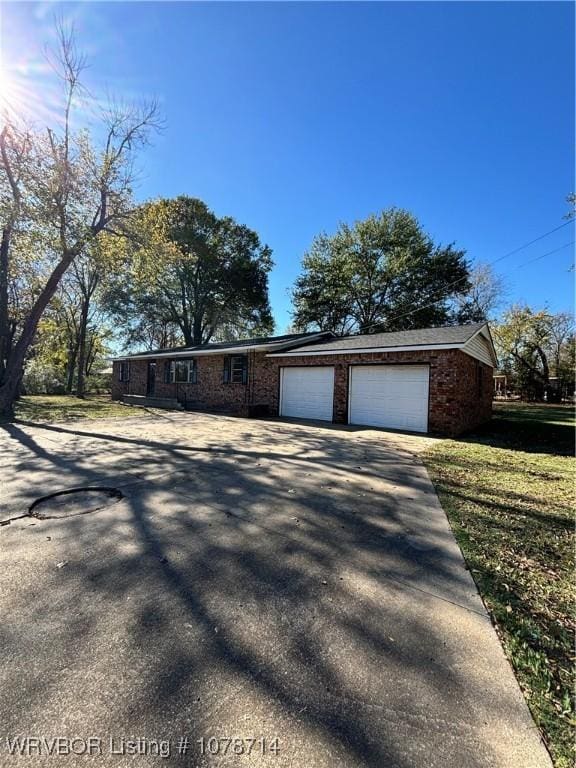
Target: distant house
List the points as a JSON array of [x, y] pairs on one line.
[[437, 380]]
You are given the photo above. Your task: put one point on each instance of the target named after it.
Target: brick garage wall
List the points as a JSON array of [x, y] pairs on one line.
[[460, 386], [457, 403], [473, 404]]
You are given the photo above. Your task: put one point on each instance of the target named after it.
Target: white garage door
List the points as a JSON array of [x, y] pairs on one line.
[[393, 396], [307, 392]]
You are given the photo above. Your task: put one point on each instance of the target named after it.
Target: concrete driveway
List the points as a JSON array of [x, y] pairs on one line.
[[295, 588]]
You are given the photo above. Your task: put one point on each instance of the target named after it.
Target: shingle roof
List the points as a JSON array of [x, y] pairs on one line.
[[453, 334], [224, 345]]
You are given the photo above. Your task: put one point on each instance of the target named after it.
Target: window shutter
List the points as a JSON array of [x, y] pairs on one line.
[[245, 371], [194, 371], [226, 374], [173, 371], [167, 372]]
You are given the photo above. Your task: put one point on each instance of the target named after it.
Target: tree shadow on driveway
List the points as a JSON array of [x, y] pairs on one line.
[[293, 586]]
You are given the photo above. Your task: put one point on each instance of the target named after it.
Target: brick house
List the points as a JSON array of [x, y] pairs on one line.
[[436, 380]]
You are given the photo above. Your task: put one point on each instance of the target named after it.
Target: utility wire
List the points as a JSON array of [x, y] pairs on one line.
[[490, 263], [561, 248], [519, 266], [536, 239]]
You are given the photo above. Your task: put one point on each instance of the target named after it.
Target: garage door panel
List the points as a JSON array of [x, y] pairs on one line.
[[391, 396], [307, 392]]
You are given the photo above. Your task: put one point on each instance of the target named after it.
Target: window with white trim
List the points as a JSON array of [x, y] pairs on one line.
[[236, 369], [183, 371], [124, 371]]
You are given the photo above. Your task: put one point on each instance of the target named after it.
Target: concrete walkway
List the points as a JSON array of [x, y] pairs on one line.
[[296, 585]]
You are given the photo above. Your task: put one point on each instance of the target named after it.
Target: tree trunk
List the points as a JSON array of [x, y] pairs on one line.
[[5, 335], [545, 367], [14, 369], [8, 394], [544, 393], [13, 372], [197, 330], [71, 367], [91, 352], [81, 378]]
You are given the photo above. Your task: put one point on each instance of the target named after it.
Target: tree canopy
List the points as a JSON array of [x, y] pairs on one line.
[[192, 277], [380, 274], [537, 350]]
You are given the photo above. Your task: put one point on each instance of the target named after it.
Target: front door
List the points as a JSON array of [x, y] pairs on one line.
[[151, 380]]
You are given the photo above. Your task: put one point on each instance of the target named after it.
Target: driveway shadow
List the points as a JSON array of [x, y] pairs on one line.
[[289, 585]]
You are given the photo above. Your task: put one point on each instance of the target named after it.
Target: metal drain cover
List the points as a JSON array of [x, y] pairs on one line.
[[75, 501]]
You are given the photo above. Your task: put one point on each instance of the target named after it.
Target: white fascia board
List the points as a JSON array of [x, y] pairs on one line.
[[362, 350], [487, 333]]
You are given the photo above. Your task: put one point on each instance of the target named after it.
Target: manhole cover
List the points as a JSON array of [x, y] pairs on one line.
[[76, 501]]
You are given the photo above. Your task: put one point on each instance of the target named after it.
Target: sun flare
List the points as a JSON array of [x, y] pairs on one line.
[[24, 94], [4, 83], [10, 101]]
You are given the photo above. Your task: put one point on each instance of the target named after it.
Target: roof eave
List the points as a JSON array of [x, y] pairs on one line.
[[307, 352], [220, 351], [191, 353]]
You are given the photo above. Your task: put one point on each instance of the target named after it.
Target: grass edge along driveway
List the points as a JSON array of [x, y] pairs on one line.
[[50, 408], [508, 492]]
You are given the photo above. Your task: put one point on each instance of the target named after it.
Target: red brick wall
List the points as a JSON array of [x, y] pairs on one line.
[[457, 400], [137, 383], [208, 392], [454, 402]]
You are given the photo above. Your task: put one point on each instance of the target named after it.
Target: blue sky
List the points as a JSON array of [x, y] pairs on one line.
[[292, 117]]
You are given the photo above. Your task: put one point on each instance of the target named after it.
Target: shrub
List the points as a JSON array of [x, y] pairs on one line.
[[42, 379]]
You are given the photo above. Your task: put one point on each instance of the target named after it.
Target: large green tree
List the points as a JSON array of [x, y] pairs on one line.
[[194, 277], [382, 273]]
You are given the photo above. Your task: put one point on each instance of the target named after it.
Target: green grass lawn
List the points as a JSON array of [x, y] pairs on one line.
[[508, 491], [65, 407]]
